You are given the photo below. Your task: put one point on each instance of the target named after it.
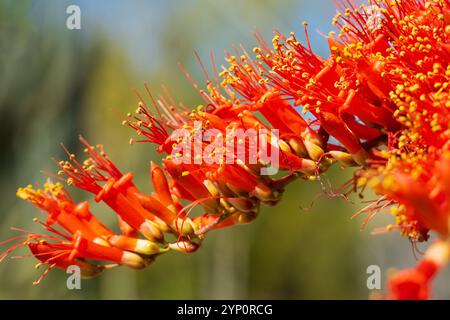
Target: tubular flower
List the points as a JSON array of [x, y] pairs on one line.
[[414, 284], [101, 177], [216, 157], [410, 72], [379, 102], [422, 195], [411, 171], [75, 234]]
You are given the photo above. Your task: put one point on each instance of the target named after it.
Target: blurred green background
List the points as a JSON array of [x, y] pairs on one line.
[[57, 83]]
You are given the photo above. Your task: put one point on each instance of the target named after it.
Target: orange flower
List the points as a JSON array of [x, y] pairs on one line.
[[380, 102], [60, 209], [118, 191], [412, 171], [83, 236], [414, 284]]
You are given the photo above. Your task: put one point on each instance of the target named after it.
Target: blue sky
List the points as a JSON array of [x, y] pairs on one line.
[[138, 25]]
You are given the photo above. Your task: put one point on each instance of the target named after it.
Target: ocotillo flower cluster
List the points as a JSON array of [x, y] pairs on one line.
[[379, 102]]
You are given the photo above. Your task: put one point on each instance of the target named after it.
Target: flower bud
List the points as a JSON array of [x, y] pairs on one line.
[[344, 158], [184, 246]]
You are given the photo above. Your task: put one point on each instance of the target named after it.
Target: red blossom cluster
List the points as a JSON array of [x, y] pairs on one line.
[[379, 102]]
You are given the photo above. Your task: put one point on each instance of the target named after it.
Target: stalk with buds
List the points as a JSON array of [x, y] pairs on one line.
[[379, 103]]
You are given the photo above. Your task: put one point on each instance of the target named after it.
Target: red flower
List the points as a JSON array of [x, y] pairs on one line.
[[117, 190], [380, 101], [83, 237], [414, 284]]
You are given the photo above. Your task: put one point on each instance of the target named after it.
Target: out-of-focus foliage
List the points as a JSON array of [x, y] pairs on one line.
[[57, 83]]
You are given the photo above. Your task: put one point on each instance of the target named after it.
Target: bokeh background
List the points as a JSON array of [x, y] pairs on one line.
[[56, 83]]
